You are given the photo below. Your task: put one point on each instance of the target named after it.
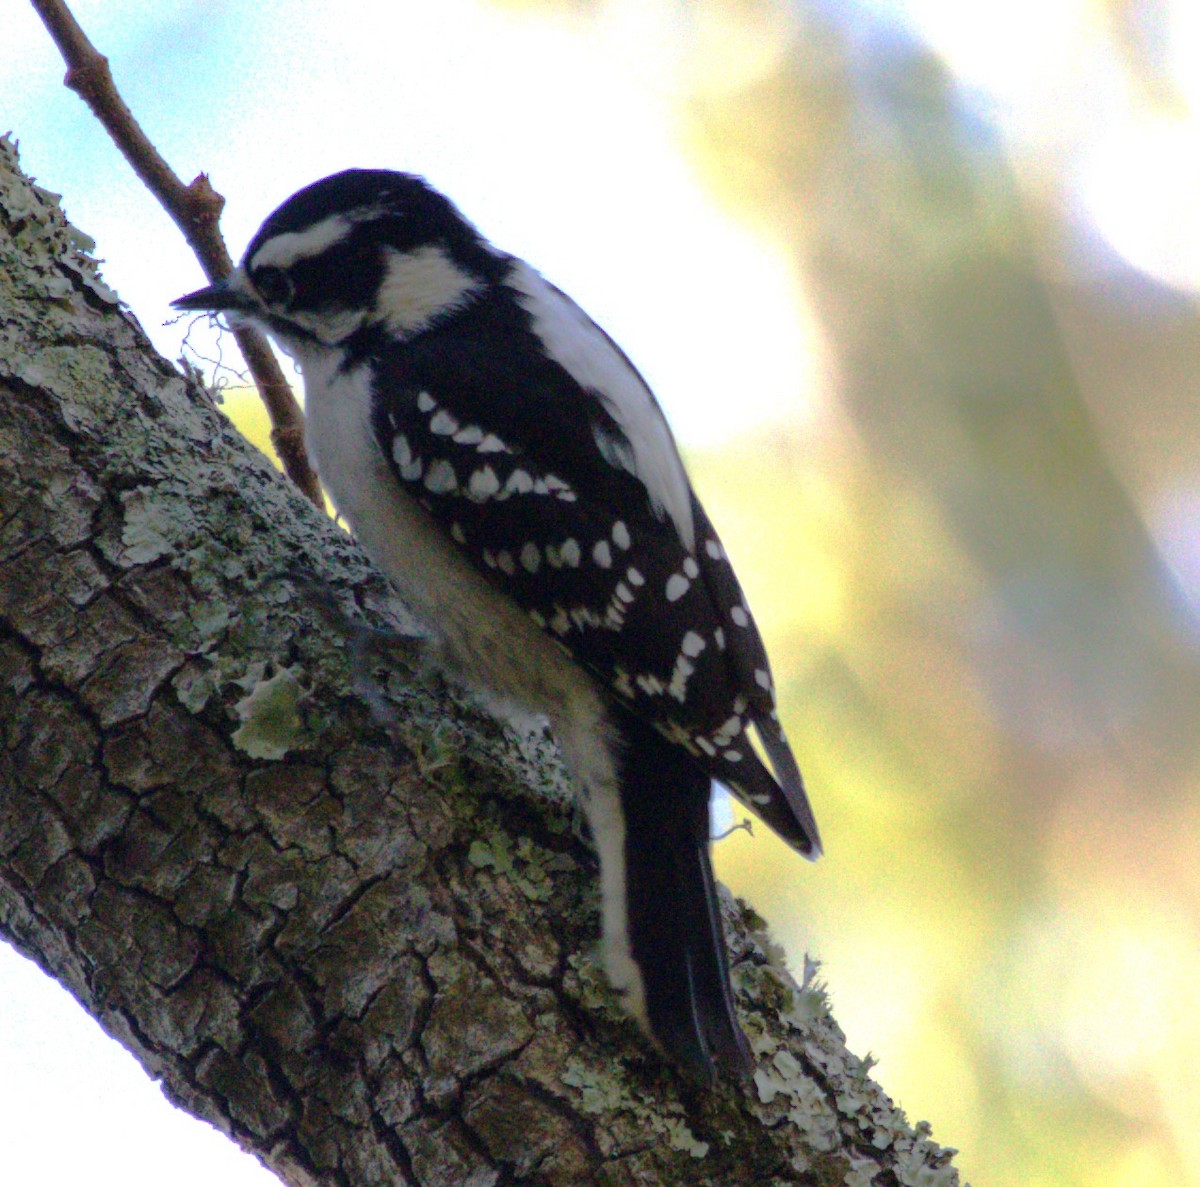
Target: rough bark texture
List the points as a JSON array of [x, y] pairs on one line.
[[364, 953]]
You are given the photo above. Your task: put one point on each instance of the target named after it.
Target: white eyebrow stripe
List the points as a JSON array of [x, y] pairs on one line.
[[589, 356], [282, 251]]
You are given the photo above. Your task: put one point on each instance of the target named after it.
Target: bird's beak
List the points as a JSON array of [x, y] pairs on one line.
[[221, 297]]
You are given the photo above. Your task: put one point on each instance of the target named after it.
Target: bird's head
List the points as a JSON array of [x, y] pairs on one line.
[[361, 249]]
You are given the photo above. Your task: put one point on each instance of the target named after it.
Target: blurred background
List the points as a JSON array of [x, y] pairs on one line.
[[915, 282]]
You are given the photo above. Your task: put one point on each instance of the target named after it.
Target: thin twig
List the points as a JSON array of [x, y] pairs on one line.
[[195, 210], [747, 826]]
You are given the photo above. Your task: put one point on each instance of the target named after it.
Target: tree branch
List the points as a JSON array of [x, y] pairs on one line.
[[195, 210], [365, 960]]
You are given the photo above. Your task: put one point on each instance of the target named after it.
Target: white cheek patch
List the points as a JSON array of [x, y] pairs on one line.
[[418, 286], [282, 251]]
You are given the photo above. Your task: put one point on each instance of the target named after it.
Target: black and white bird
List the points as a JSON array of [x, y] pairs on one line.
[[503, 462]]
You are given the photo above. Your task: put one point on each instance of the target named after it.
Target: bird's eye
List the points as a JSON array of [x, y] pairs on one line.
[[274, 286]]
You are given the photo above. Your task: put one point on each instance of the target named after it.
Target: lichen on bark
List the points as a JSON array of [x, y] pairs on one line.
[[362, 951]]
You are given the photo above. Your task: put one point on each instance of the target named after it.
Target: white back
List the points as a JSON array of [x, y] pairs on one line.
[[577, 344]]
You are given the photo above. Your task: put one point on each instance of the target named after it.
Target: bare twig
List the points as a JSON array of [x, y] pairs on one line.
[[195, 210], [747, 826]]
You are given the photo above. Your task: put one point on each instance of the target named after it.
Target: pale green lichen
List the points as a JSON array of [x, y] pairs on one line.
[[154, 522], [598, 1095], [586, 982], [495, 854], [682, 1138], [194, 686], [603, 1095], [270, 716], [36, 214], [914, 1169], [861, 1173], [821, 1088], [808, 1108], [809, 1005], [527, 865], [210, 620]]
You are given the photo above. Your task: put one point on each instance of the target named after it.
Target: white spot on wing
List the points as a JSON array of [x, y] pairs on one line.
[[443, 424], [692, 644], [555, 485], [652, 686], [551, 484], [585, 616], [677, 586], [469, 435], [531, 558], [679, 678], [440, 478], [739, 616], [410, 466], [425, 402], [574, 341], [519, 483], [620, 535], [492, 444], [483, 484], [622, 684], [691, 570], [602, 555]]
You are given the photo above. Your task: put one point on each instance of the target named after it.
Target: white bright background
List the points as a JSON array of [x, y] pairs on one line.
[[554, 143], [558, 140]]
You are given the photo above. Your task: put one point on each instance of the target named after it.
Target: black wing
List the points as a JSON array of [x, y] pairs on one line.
[[523, 468]]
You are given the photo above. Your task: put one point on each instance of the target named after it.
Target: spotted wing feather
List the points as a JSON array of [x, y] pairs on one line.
[[504, 448]]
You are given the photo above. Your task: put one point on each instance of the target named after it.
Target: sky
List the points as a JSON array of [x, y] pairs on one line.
[[558, 149]]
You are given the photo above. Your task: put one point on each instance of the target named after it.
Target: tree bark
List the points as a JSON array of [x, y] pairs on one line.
[[362, 952]]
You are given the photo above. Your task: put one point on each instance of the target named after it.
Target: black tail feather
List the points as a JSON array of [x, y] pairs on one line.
[[675, 930]]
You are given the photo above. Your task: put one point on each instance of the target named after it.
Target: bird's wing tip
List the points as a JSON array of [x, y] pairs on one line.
[[791, 784]]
